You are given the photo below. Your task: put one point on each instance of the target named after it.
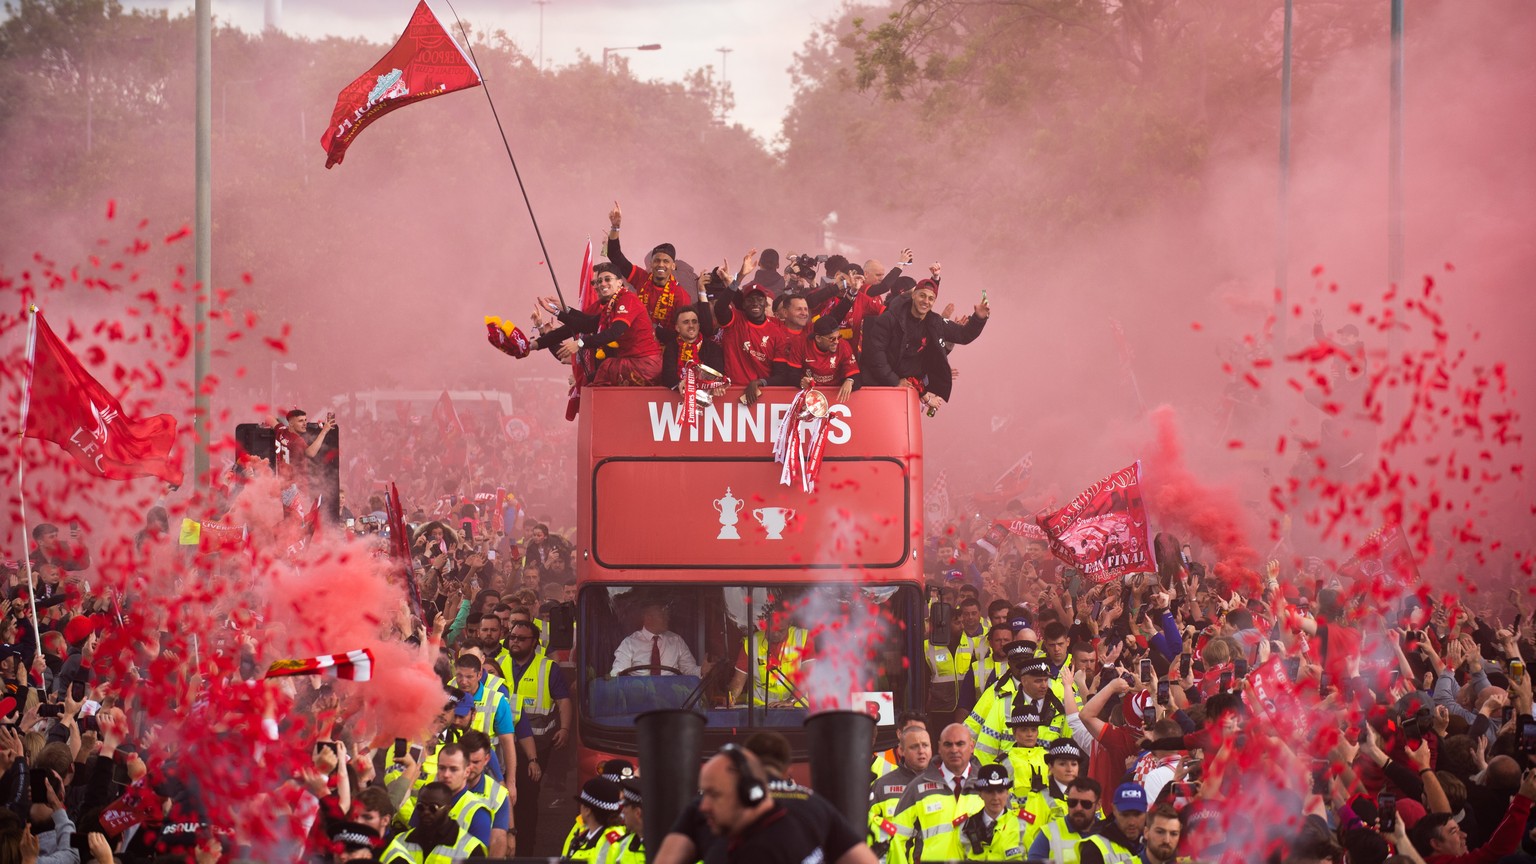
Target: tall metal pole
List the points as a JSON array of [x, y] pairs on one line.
[[1283, 214], [1395, 158], [203, 234], [723, 53], [541, 4]]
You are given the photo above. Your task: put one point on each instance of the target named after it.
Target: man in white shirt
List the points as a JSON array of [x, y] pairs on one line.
[[654, 649]]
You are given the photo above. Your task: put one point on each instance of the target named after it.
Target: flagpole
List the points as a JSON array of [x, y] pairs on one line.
[[469, 46], [21, 472]]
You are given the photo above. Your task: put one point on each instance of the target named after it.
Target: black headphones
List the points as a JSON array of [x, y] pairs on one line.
[[750, 790]]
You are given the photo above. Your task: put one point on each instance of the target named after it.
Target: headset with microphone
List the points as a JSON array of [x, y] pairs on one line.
[[750, 789]]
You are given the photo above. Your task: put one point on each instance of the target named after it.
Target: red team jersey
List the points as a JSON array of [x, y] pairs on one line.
[[640, 339], [825, 367], [750, 348]]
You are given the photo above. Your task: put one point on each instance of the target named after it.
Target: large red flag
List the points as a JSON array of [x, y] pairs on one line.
[[455, 448], [65, 405], [426, 62], [400, 548], [1103, 531]]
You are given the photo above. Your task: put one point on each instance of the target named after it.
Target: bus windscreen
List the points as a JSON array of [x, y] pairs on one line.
[[744, 655]]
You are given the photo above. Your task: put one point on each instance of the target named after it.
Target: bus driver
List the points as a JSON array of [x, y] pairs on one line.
[[654, 649]]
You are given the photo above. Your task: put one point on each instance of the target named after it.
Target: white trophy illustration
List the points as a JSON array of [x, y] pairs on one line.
[[728, 507], [773, 520]]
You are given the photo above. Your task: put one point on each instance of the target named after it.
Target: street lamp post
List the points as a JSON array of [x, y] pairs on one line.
[[607, 51], [202, 233], [541, 4], [272, 393], [723, 80]]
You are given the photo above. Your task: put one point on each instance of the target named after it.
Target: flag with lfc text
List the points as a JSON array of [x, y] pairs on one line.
[[65, 405], [425, 62], [1103, 531]]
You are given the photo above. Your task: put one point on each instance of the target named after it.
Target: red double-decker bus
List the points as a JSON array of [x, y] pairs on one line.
[[695, 525]]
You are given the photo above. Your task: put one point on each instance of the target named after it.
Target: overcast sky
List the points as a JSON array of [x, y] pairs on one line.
[[763, 34]]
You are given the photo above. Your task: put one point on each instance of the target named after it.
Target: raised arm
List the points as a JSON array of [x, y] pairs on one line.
[[615, 253]]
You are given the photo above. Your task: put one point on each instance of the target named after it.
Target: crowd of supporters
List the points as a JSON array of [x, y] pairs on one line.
[[1065, 721], [1193, 713], [1173, 716]]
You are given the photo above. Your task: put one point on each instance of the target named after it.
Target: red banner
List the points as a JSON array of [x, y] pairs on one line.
[[998, 532], [725, 506], [1385, 561], [1273, 698], [215, 536], [1103, 531], [67, 406], [455, 449], [400, 548], [425, 62]]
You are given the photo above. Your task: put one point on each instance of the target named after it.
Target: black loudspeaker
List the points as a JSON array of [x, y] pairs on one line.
[[670, 743], [839, 744], [323, 472]]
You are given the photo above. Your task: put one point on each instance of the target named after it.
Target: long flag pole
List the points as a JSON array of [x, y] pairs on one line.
[[485, 85], [21, 472]]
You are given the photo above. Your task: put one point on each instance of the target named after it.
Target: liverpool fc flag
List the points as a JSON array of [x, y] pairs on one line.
[[425, 62], [65, 405]]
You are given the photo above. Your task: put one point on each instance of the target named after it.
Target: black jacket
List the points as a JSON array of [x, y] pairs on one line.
[[711, 353], [898, 346]]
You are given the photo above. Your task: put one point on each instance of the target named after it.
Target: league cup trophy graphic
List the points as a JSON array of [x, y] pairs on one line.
[[773, 520], [728, 507]]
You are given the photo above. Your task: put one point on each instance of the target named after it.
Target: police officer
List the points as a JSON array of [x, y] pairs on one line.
[[916, 752], [938, 801], [1057, 840], [988, 717], [1064, 759], [1025, 760], [631, 850], [599, 828], [1035, 686], [995, 833], [1117, 840]]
